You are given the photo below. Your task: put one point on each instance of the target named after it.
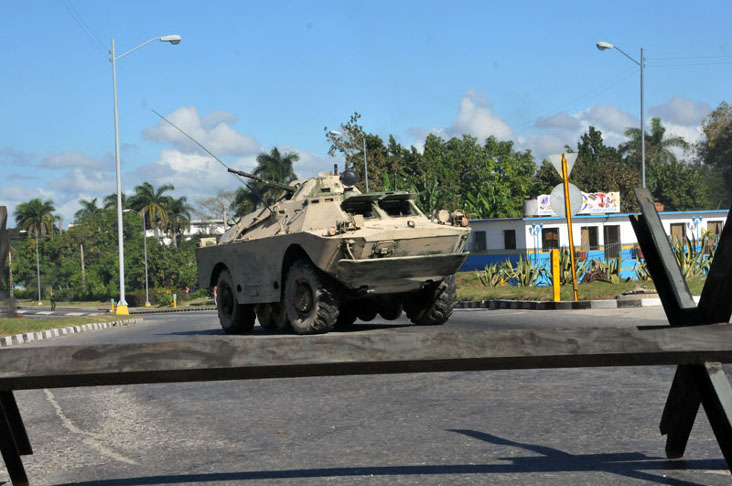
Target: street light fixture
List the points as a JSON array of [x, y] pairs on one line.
[[642, 64], [365, 163], [173, 39]]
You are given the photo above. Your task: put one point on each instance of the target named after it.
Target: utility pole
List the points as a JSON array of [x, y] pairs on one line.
[[10, 273], [83, 272]]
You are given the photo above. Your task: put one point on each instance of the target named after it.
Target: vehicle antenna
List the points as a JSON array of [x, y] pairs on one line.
[[219, 161]]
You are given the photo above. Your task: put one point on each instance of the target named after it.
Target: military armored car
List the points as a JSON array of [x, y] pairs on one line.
[[326, 254]]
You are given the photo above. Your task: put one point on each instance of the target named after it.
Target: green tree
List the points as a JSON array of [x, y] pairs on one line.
[[179, 217], [658, 145], [88, 208], [679, 186], [715, 153], [37, 218], [273, 166], [110, 201], [153, 202]]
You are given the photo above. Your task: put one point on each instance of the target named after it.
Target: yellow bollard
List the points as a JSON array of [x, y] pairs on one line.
[[556, 278], [175, 301]]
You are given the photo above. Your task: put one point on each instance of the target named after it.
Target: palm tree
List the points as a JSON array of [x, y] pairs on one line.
[[110, 201], [88, 208], [272, 166], [37, 218], [179, 217], [658, 145], [276, 167], [154, 202]]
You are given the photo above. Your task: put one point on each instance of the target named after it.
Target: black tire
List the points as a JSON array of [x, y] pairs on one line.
[[390, 308], [235, 318], [433, 306], [310, 302], [272, 316], [366, 310], [346, 317]]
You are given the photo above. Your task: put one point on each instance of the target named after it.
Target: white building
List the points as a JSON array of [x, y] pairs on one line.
[[598, 237]]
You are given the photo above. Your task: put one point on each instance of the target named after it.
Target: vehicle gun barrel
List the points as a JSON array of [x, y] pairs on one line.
[[278, 185]]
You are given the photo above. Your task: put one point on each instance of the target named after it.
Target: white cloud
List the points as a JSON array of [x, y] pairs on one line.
[[14, 158], [475, 118], [560, 120], [78, 180], [681, 111], [72, 159], [212, 131]]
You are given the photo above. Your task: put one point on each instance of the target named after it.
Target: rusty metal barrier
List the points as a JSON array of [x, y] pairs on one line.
[[698, 341]]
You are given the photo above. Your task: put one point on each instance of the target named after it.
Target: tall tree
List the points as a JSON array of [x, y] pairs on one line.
[[37, 218], [110, 201], [715, 152], [179, 217], [658, 144], [153, 202], [273, 166], [88, 208]]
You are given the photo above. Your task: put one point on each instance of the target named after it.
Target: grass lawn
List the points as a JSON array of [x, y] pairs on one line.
[[470, 288], [20, 325]]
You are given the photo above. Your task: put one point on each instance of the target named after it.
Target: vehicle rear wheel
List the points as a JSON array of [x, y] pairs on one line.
[[272, 316], [235, 318], [366, 310], [310, 301], [433, 306], [346, 317]]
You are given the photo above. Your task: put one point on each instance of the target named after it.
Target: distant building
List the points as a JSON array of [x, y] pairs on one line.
[[596, 236], [198, 228]]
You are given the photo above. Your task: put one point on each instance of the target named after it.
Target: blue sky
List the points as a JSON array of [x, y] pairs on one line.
[[249, 76]]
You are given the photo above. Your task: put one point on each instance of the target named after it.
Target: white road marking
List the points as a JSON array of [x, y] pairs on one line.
[[75, 314], [88, 438]]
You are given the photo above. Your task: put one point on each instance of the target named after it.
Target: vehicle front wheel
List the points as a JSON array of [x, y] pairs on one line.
[[310, 302], [235, 318], [433, 306]]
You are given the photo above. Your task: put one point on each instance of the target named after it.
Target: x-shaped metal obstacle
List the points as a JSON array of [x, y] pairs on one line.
[[698, 340], [694, 384]]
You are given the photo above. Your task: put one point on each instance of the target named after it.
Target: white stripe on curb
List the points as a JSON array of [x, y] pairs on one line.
[[16, 339]]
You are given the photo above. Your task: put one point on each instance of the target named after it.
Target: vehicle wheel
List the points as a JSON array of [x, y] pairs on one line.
[[433, 306], [235, 318], [272, 316], [346, 317], [366, 311], [310, 301], [390, 308]]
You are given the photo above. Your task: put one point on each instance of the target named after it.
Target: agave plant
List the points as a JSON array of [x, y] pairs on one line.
[[492, 275], [526, 273]]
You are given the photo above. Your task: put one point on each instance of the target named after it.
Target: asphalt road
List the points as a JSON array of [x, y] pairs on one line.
[[579, 426]]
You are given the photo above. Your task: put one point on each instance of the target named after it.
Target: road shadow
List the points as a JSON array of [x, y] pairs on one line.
[[627, 464]]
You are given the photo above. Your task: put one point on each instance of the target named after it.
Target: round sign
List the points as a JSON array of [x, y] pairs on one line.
[[556, 198]]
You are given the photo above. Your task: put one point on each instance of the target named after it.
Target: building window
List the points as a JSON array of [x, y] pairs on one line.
[[550, 239], [678, 233], [509, 239], [589, 238], [478, 243], [714, 228]]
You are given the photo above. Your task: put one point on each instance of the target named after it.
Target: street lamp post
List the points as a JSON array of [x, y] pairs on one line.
[[144, 245], [365, 163], [642, 64], [173, 39]]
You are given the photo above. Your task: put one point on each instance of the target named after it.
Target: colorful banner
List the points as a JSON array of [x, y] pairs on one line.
[[592, 203]]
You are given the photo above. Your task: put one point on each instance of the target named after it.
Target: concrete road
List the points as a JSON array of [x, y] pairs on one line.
[[581, 426]]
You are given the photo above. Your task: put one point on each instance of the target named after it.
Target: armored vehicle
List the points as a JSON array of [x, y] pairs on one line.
[[325, 255]]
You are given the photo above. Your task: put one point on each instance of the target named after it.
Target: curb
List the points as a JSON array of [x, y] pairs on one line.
[[564, 305], [162, 311], [16, 339]]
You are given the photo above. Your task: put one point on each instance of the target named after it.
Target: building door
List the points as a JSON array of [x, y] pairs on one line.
[[612, 241], [678, 233]]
